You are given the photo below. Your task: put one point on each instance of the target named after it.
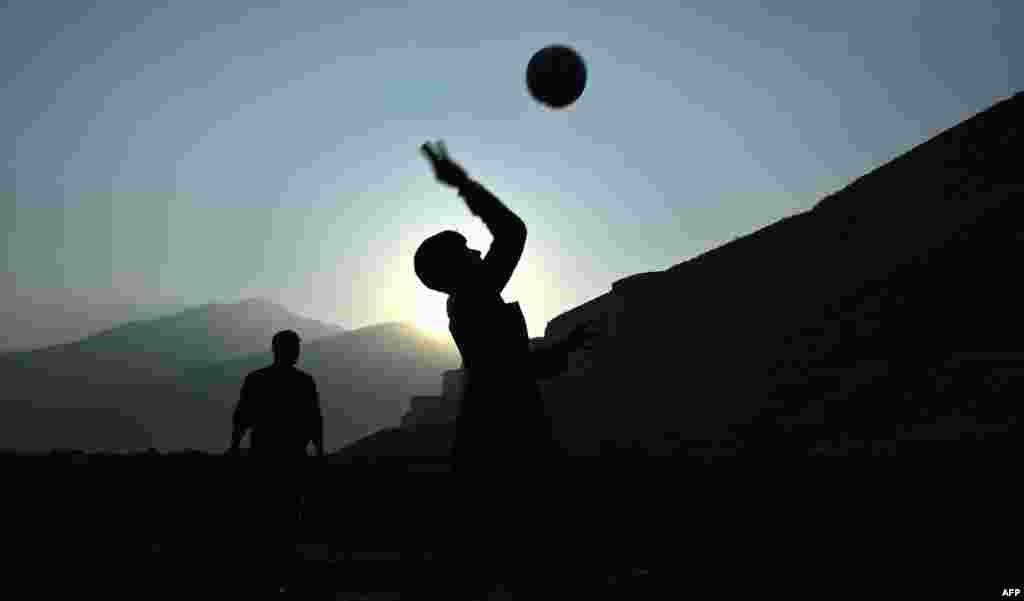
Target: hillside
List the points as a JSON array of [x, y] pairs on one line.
[[856, 320], [171, 382]]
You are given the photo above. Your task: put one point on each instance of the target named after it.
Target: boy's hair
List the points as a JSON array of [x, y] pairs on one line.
[[433, 261], [283, 340]]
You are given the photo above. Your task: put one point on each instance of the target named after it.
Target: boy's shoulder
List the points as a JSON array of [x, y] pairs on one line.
[[272, 372], [474, 294], [470, 301], [258, 374]]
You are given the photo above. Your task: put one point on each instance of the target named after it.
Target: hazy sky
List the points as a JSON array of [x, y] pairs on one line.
[[212, 151]]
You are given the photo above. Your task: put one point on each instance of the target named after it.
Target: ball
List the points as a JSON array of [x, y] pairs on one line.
[[556, 76]]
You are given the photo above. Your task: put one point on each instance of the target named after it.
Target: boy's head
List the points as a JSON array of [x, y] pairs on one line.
[[443, 262], [285, 345]]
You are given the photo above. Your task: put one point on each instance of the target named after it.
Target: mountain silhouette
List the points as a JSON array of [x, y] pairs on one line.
[[38, 319], [171, 383], [195, 336], [102, 392]]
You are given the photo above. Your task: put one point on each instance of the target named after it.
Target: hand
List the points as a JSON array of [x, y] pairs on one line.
[[446, 170], [581, 335]]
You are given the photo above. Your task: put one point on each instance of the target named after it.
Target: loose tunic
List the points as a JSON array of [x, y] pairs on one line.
[[502, 422]]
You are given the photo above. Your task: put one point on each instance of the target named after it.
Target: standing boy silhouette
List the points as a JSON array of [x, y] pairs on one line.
[[281, 407]]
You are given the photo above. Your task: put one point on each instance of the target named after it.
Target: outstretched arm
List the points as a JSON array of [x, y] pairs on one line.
[[506, 227], [548, 362]]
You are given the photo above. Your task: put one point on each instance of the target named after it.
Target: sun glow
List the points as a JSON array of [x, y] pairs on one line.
[[430, 315], [539, 292], [427, 309]]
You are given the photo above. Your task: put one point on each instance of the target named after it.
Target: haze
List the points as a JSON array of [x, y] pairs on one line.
[[164, 156]]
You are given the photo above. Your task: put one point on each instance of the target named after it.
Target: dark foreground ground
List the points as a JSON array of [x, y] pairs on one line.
[[625, 529]]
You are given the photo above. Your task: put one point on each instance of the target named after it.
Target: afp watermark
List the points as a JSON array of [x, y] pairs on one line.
[[1011, 593]]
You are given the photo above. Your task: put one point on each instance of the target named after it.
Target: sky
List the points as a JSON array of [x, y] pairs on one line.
[[162, 154]]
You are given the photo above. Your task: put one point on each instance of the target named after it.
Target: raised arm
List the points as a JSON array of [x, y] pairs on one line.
[[506, 227], [553, 359]]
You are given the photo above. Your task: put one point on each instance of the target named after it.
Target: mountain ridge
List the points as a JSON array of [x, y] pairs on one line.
[[171, 382]]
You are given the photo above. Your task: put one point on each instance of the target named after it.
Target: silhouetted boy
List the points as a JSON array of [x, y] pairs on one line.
[[280, 404], [502, 422]]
